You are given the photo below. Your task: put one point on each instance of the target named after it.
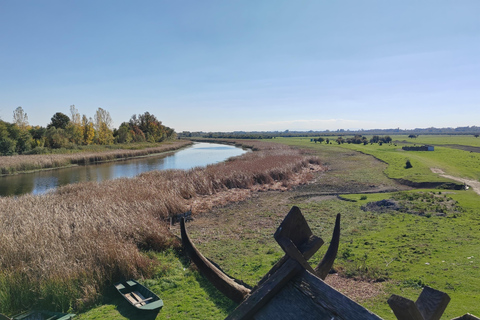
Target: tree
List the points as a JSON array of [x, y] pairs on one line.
[[20, 118], [56, 138], [374, 139], [124, 134], [38, 135], [7, 146], [151, 127], [88, 130], [59, 121], [75, 116], [74, 133], [103, 122], [24, 142]]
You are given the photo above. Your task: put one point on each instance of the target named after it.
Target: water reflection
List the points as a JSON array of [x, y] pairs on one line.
[[198, 155]]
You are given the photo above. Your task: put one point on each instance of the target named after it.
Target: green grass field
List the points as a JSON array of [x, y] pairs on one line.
[[463, 140], [454, 162]]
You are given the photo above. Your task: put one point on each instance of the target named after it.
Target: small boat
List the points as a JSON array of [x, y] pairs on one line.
[[139, 296], [42, 315]]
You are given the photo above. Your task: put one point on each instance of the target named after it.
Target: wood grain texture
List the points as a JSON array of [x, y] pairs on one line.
[[432, 303], [307, 297]]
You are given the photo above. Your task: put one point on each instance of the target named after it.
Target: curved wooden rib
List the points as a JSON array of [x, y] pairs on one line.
[[326, 264], [219, 279]]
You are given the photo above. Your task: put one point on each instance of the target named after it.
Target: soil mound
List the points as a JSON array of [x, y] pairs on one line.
[[382, 206]]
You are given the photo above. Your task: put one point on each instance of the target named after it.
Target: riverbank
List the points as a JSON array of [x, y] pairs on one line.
[[62, 249], [29, 163]]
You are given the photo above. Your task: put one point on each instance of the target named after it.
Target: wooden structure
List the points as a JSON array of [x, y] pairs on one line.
[[292, 289], [40, 315], [139, 297], [418, 148]]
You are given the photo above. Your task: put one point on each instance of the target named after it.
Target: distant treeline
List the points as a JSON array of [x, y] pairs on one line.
[[340, 132], [75, 130]]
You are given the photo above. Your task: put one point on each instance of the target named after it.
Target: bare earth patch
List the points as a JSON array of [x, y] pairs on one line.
[[472, 183], [358, 291]]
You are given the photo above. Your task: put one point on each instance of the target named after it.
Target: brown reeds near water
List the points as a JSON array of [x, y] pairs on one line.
[[21, 163], [61, 249]]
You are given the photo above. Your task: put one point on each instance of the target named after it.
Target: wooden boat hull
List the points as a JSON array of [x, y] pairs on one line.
[[138, 296], [43, 315]]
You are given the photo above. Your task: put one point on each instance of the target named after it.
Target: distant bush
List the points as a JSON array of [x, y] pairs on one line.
[[408, 164]]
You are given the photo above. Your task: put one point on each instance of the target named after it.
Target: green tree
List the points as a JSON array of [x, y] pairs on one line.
[[38, 135], [56, 138], [7, 146], [59, 121], [123, 134]]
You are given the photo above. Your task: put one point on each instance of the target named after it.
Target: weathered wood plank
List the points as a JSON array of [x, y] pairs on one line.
[[130, 298], [307, 297], [467, 316], [259, 298], [292, 251], [432, 303], [404, 309], [308, 249], [323, 268]]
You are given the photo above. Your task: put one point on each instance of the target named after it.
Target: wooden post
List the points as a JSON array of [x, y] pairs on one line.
[[430, 305], [404, 309]]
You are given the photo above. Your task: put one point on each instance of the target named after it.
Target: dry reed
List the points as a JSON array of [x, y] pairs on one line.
[[61, 249]]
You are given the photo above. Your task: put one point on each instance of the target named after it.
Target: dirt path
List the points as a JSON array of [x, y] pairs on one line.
[[472, 183]]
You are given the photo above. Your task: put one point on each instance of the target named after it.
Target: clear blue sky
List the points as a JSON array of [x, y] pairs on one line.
[[245, 65]]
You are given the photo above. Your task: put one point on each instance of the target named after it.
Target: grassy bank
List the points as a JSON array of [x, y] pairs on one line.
[[84, 156], [60, 250]]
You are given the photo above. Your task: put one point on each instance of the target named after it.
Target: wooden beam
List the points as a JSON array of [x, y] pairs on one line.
[[404, 309], [307, 297], [267, 291], [432, 303]]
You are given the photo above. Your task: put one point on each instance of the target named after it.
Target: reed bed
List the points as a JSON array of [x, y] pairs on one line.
[[59, 250], [22, 163]]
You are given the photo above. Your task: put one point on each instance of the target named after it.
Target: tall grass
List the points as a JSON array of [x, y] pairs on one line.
[[21, 163], [59, 251]]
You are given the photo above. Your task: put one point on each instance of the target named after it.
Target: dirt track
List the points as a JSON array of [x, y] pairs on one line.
[[472, 183]]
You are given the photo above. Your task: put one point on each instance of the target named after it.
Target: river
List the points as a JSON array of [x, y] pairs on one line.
[[197, 155]]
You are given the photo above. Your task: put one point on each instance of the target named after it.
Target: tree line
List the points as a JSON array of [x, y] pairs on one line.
[[69, 132], [357, 139]]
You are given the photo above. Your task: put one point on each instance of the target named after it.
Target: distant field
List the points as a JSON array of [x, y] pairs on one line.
[[452, 161], [467, 140]]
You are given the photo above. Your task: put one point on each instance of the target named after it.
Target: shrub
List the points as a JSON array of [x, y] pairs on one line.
[[408, 164]]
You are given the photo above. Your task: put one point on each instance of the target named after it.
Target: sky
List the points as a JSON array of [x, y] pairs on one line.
[[245, 65]]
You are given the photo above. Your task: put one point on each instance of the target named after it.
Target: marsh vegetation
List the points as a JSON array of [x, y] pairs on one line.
[[61, 250]]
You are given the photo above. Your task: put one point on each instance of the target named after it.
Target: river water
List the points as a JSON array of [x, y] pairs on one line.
[[197, 155]]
